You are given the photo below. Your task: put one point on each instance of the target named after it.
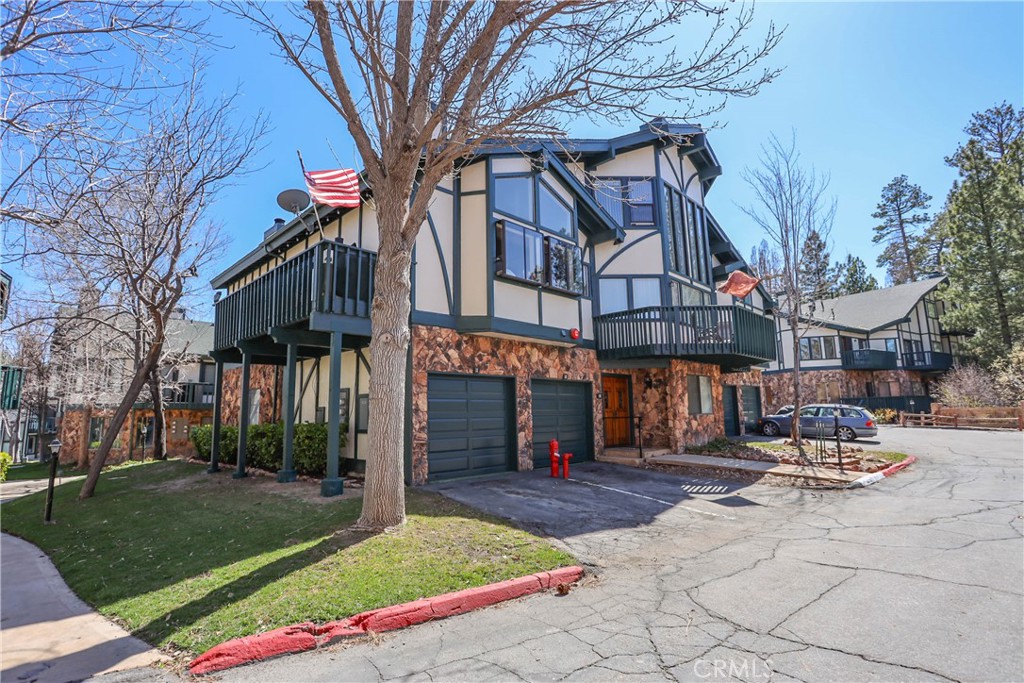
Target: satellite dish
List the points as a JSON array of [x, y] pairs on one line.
[[293, 200]]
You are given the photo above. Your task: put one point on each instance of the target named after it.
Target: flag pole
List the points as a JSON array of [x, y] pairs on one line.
[[315, 212]]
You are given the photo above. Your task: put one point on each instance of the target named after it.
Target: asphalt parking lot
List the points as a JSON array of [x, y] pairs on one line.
[[918, 577]]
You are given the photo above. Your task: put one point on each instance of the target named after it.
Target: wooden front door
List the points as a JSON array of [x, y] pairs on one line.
[[617, 415]]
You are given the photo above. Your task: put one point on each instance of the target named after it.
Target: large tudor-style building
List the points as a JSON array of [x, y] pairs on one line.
[[559, 291], [878, 349]]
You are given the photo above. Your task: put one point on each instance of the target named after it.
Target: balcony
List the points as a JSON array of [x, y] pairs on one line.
[[868, 359], [189, 395], [725, 335], [326, 287], [927, 361]]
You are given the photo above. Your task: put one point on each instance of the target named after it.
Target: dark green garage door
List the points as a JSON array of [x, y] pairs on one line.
[[562, 410], [468, 426], [751, 408]]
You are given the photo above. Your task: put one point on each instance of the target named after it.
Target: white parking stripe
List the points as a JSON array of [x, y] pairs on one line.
[[656, 500]]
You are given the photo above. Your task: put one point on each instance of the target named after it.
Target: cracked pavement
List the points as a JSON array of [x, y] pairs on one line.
[[918, 577]]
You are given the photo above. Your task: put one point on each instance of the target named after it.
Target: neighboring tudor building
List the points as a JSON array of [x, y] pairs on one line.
[[878, 349], [90, 400], [559, 291]]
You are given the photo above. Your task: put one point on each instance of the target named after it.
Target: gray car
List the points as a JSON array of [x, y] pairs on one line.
[[854, 422]]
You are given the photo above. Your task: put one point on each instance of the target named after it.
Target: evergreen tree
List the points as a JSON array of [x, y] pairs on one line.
[[983, 225], [854, 277], [817, 277], [899, 229]]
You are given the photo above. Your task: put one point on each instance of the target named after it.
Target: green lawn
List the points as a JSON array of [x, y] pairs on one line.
[[188, 560], [39, 470], [890, 456]]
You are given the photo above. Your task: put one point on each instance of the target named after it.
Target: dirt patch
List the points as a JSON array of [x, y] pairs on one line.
[[306, 489], [854, 458]]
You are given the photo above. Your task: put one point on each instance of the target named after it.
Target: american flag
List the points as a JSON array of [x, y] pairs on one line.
[[334, 188]]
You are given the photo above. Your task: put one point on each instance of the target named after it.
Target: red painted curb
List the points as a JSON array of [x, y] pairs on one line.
[[308, 636], [893, 469]]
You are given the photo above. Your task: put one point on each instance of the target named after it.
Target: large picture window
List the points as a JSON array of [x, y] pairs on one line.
[[526, 254], [818, 348], [685, 295]]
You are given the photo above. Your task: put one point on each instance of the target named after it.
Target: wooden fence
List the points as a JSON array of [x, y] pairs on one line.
[[956, 421]]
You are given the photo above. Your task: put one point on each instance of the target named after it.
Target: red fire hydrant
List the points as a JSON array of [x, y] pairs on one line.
[[553, 453], [566, 457]]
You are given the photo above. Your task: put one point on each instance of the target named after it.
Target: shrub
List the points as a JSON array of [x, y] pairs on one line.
[[5, 463], [311, 448], [202, 438], [1009, 372], [265, 446], [967, 386], [885, 415]]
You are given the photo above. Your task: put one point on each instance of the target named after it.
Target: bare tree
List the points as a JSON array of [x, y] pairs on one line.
[[137, 222], [75, 69], [791, 207], [423, 85]]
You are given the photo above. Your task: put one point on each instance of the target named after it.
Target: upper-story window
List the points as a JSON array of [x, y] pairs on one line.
[[626, 293], [532, 200], [630, 201], [687, 236], [526, 254]]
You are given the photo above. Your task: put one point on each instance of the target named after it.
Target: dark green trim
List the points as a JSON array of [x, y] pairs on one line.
[[654, 231], [434, 319], [482, 324], [442, 262], [457, 246]]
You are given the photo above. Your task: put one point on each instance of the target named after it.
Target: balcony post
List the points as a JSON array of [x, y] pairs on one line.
[[243, 416], [332, 483], [287, 471], [218, 394]]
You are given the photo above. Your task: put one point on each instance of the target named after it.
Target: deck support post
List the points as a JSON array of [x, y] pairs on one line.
[[218, 401], [243, 415], [287, 471], [332, 484]]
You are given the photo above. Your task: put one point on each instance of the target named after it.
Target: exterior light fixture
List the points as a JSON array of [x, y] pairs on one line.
[[574, 333]]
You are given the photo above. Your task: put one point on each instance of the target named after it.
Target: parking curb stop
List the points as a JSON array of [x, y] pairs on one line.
[[309, 636], [875, 477]]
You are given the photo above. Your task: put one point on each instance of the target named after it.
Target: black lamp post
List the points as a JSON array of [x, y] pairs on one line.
[[839, 441], [54, 458]]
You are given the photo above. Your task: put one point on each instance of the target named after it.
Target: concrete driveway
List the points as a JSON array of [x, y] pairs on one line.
[[918, 577]]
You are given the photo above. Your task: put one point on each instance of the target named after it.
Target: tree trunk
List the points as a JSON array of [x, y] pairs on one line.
[[117, 421], [906, 250], [995, 277], [83, 449], [794, 423], [159, 419], [384, 493]]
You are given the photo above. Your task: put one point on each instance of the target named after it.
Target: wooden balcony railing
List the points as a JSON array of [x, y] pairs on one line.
[[868, 359], [728, 333], [927, 360], [327, 278]]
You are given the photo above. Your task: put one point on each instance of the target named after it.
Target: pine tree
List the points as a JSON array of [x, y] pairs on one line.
[[984, 226], [817, 277], [899, 229], [854, 277]]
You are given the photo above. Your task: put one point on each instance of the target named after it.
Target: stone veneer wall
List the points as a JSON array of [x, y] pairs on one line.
[[743, 381], [266, 378], [663, 407], [439, 349], [74, 429], [779, 385]]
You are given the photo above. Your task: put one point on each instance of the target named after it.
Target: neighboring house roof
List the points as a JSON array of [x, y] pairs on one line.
[[874, 310], [189, 337]]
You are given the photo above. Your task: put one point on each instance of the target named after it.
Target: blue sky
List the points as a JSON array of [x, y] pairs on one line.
[[871, 90]]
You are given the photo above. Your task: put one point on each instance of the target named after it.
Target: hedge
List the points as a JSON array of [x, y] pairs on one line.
[[265, 444]]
